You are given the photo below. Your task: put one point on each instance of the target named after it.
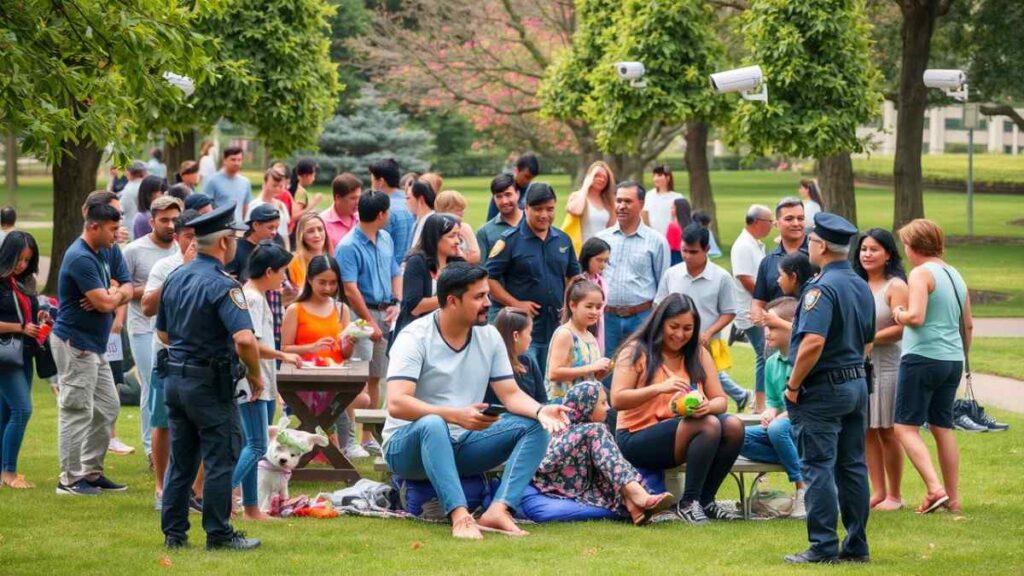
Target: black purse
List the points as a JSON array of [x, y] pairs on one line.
[[46, 366], [12, 348]]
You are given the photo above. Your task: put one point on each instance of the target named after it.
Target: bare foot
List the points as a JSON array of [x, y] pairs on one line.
[[888, 505], [876, 499], [500, 521], [257, 515], [17, 481], [465, 528], [954, 506]]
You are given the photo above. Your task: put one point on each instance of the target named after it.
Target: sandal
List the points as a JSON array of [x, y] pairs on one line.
[[888, 505], [932, 503], [19, 483], [655, 504]]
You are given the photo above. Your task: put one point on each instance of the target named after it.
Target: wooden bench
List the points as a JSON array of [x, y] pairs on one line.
[[374, 419]]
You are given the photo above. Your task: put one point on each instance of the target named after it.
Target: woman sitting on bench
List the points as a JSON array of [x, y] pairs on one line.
[[661, 359]]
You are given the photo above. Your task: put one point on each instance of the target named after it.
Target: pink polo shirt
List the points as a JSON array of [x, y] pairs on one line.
[[337, 226]]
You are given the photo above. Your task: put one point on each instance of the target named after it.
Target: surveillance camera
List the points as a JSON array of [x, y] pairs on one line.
[[742, 80], [183, 83], [630, 70], [953, 82]]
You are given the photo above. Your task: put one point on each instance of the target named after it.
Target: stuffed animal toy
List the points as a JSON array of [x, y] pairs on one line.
[[286, 447]]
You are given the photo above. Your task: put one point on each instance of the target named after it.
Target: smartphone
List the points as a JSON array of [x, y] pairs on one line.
[[494, 410]]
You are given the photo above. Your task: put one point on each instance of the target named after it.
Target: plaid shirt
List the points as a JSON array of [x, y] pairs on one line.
[[637, 263]]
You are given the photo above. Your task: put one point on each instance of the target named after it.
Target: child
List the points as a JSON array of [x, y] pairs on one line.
[[772, 441], [594, 257], [267, 265], [575, 355], [515, 327], [794, 271]]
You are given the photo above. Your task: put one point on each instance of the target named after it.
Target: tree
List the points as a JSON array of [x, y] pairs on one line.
[[351, 143], [993, 56], [821, 85], [78, 76]]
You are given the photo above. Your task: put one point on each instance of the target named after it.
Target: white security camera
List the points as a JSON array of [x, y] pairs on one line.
[[953, 82], [742, 80], [183, 83], [632, 71]]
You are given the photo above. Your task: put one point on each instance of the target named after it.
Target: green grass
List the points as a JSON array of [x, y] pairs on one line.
[[952, 167], [1000, 356], [991, 266], [41, 533]]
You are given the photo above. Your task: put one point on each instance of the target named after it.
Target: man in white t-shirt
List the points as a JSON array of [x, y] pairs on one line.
[[441, 366], [746, 255], [139, 257]]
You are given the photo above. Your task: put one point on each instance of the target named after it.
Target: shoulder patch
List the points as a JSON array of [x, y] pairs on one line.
[[811, 298], [497, 248], [238, 298]]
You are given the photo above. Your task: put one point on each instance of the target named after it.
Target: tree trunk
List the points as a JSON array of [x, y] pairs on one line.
[[11, 165], [625, 167], [74, 178], [701, 197], [835, 174], [182, 148], [918, 25]]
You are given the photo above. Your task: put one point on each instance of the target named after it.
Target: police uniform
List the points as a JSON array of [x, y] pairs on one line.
[[830, 417], [201, 308], [535, 270]]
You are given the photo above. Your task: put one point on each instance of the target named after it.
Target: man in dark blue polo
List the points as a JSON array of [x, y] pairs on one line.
[[204, 321], [789, 217], [827, 395], [526, 169], [529, 265]]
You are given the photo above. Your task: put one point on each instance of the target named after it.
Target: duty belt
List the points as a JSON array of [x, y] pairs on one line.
[[837, 376], [190, 370]]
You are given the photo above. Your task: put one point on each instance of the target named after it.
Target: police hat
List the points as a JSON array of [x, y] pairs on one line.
[[197, 201], [833, 228], [263, 213], [539, 192], [218, 220]]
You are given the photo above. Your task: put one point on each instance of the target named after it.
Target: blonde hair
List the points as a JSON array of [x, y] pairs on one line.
[[435, 181], [608, 194], [449, 201], [301, 252], [924, 237], [205, 148]]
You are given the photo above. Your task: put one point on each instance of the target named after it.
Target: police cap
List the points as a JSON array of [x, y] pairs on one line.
[[218, 220], [263, 213], [197, 201], [833, 228]]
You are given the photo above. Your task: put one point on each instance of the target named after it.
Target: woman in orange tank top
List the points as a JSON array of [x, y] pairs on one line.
[[661, 359]]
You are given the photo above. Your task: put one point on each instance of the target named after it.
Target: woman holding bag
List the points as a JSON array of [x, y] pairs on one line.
[[19, 312], [591, 208]]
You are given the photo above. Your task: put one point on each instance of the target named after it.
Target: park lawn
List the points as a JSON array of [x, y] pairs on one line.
[[987, 167], [1000, 356], [42, 533]]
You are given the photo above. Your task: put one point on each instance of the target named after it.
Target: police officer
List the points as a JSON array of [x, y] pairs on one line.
[[529, 266], [827, 395], [204, 320]]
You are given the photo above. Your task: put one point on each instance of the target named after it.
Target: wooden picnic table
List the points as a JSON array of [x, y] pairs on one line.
[[345, 382]]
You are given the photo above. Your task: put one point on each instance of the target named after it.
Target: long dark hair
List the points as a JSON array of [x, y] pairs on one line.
[[576, 291], [592, 248], [318, 265], [647, 340], [683, 212], [893, 267], [799, 264], [813, 191], [149, 186], [14, 243], [434, 227], [509, 322], [667, 172]]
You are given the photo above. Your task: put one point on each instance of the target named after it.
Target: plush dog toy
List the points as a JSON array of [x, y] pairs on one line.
[[286, 447]]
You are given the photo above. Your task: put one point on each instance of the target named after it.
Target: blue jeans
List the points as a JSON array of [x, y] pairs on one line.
[[254, 417], [142, 352], [15, 411], [774, 445], [539, 352], [755, 335], [426, 450], [617, 329], [732, 389]]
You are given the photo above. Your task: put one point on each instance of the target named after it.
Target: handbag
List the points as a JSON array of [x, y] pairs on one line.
[[12, 348], [46, 366]]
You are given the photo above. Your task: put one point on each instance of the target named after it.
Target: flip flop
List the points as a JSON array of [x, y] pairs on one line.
[[521, 533], [655, 505], [931, 504]]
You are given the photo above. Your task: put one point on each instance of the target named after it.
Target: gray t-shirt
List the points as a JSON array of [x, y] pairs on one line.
[[139, 258], [445, 376]]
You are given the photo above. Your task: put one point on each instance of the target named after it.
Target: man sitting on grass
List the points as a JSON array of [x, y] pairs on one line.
[[772, 441], [440, 369]]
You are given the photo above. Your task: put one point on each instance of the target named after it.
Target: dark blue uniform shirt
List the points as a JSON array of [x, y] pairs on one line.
[[838, 305], [535, 270], [201, 308], [766, 286]]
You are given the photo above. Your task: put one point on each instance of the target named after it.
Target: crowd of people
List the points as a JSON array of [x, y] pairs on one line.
[[560, 351]]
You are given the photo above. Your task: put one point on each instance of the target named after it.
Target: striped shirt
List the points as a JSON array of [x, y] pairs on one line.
[[637, 263]]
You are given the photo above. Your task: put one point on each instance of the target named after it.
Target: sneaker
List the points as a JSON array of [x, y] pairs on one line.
[[692, 513], [120, 448], [962, 422], [373, 447], [799, 510], [158, 503], [195, 505], [741, 405], [982, 419], [354, 451], [237, 541], [106, 484], [80, 488], [716, 511]]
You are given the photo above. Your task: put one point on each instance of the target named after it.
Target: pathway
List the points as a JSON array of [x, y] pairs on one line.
[[1003, 327], [999, 392]]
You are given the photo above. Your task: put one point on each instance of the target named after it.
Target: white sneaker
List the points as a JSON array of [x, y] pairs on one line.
[[353, 451], [799, 510], [372, 447], [120, 448]]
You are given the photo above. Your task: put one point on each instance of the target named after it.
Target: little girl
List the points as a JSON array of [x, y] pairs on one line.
[[515, 327], [575, 355], [794, 271], [594, 257]]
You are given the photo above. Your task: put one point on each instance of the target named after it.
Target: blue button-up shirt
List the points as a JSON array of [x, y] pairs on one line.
[[635, 266], [370, 264], [400, 226]]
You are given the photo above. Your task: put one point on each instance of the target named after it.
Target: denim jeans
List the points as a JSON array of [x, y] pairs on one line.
[[142, 352], [617, 329], [15, 410], [755, 335], [539, 352], [732, 389], [425, 449], [774, 445], [254, 424]]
